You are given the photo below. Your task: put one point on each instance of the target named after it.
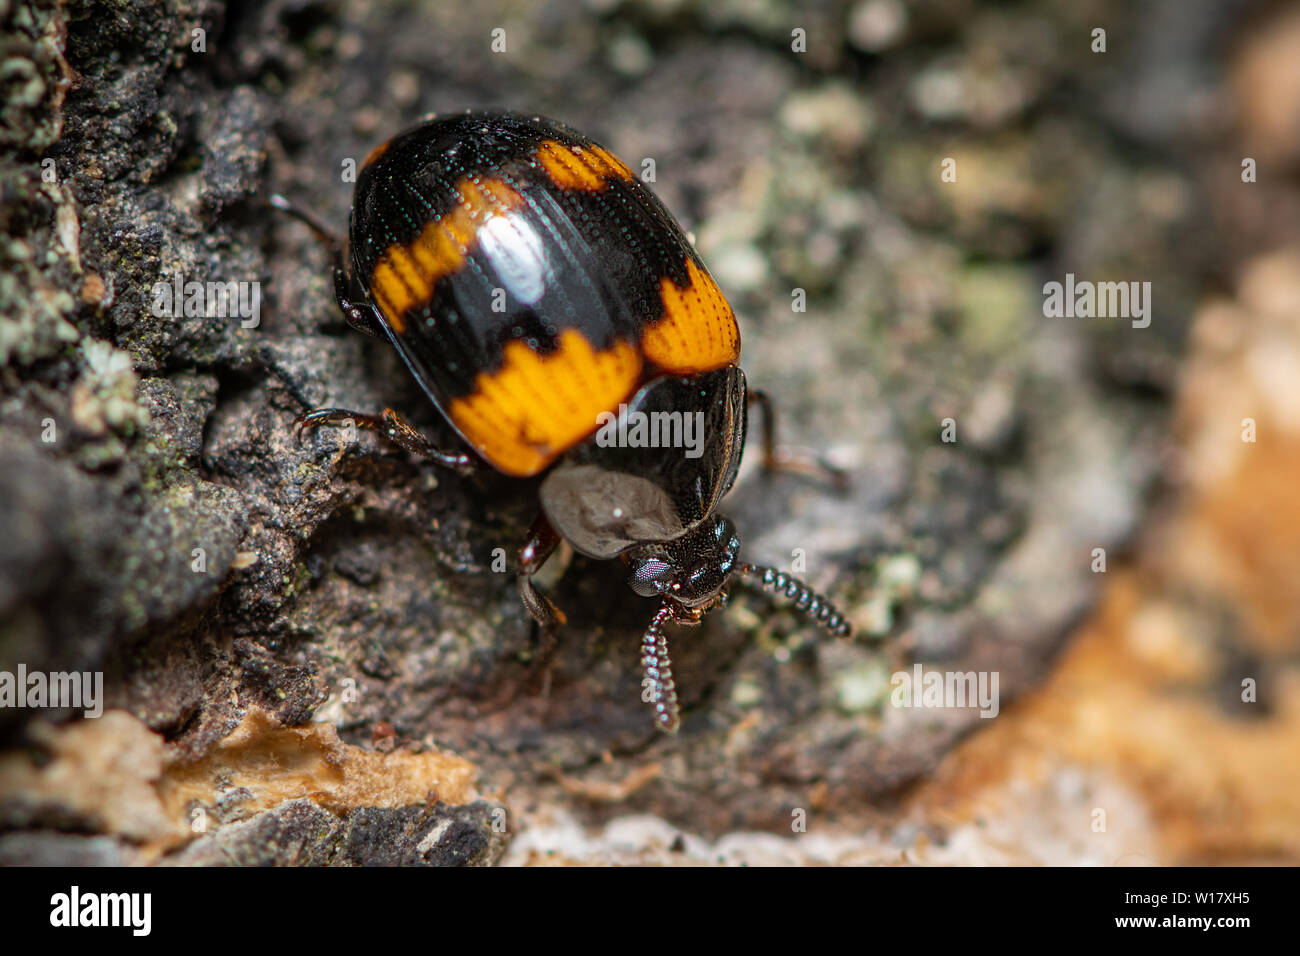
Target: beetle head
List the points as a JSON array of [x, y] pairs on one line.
[[690, 574], [690, 571]]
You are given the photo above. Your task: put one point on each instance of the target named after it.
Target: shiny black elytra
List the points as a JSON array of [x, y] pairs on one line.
[[536, 289]]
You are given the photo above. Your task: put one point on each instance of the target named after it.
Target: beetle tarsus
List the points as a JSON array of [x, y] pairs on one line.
[[392, 426], [539, 606]]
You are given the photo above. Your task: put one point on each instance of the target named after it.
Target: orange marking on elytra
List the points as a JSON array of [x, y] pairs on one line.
[[697, 331], [375, 153], [405, 275], [524, 415], [577, 167]]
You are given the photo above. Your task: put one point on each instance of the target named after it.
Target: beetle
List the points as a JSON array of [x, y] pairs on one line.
[[544, 298]]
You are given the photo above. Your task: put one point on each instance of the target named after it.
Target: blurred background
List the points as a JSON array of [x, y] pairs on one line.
[[1102, 512]]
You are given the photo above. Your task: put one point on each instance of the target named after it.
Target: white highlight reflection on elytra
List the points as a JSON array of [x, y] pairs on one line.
[[518, 256]]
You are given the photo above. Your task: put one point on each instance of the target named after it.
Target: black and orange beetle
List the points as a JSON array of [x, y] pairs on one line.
[[536, 289]]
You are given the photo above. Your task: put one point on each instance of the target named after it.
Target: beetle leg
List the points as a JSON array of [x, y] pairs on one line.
[[540, 545], [658, 689], [319, 230], [361, 318], [393, 427], [783, 459]]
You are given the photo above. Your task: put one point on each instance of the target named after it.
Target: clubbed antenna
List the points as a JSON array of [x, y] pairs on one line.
[[816, 606], [658, 670]]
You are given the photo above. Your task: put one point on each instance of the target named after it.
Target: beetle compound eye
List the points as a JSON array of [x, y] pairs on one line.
[[651, 576]]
